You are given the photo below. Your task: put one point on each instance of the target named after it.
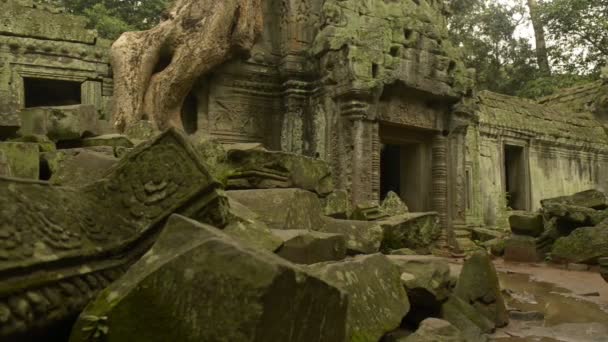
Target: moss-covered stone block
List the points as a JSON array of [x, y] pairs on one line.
[[77, 167], [310, 247], [583, 245], [199, 284], [529, 224], [377, 299], [60, 123], [362, 237], [412, 230], [22, 158]]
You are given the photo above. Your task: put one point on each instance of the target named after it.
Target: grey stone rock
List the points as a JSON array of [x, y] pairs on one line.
[[377, 299], [282, 208], [412, 230], [521, 248], [23, 159], [472, 324], [337, 204], [77, 167], [436, 330], [478, 284], [584, 245], [589, 199], [199, 284], [529, 224], [245, 226], [393, 205], [310, 247], [60, 123], [362, 237]]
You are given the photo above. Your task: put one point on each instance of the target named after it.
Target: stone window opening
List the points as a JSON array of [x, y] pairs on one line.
[[515, 175], [41, 92], [189, 113]]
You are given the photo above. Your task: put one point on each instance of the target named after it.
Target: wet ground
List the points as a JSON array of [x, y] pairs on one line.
[[550, 304]]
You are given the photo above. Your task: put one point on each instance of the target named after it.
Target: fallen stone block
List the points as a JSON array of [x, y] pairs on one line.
[[412, 230], [368, 211], [584, 245], [478, 285], [77, 167], [588, 199], [260, 169], [245, 226], [112, 140], [392, 205], [521, 248], [529, 224], [471, 323], [435, 330], [362, 237], [199, 284], [60, 123], [377, 299], [282, 208], [570, 217], [337, 204], [484, 234], [84, 238], [496, 246], [23, 159], [310, 247], [427, 283]]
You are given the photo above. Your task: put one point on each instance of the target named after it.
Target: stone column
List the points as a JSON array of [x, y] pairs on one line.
[[459, 236], [357, 149], [439, 192]]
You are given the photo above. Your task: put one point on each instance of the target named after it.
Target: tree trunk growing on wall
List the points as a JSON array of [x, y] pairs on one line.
[[155, 70], [542, 56]]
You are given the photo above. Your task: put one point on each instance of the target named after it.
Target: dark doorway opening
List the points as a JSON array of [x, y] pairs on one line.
[[190, 114], [40, 92], [401, 171], [516, 184], [390, 170]]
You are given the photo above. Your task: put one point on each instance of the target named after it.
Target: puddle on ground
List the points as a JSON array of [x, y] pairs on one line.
[[567, 318]]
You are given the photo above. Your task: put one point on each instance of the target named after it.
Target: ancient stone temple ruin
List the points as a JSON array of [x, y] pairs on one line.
[[303, 196]]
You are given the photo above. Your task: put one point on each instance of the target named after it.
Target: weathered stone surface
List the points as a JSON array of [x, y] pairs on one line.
[[377, 299], [282, 208], [337, 204], [478, 285], [588, 199], [310, 247], [10, 122], [471, 323], [570, 216], [484, 234], [141, 131], [5, 168], [213, 153], [403, 251], [77, 167], [392, 205], [368, 211], [603, 262], [583, 245], [44, 143], [256, 168], [245, 226], [435, 330], [60, 123], [248, 295], [521, 248], [413, 230], [529, 224], [83, 238], [112, 140], [23, 159], [427, 283], [496, 246], [362, 237]]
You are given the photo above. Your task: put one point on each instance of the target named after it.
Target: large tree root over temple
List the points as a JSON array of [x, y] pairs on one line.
[[154, 70]]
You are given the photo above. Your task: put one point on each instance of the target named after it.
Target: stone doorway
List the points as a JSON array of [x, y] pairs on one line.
[[405, 166], [40, 92], [516, 177]]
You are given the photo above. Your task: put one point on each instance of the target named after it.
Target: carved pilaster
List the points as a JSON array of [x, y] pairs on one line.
[[295, 103], [357, 135], [439, 196], [457, 190]]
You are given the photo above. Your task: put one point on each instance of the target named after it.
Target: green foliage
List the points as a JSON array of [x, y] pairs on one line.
[[113, 17], [578, 44], [578, 30]]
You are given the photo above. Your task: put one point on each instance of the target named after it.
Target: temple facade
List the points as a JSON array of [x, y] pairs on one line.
[[373, 87]]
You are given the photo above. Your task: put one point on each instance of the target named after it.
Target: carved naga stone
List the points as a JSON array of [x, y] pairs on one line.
[[154, 70], [59, 246]]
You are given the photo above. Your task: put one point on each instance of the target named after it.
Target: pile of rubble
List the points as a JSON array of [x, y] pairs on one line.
[[184, 239], [569, 229]]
